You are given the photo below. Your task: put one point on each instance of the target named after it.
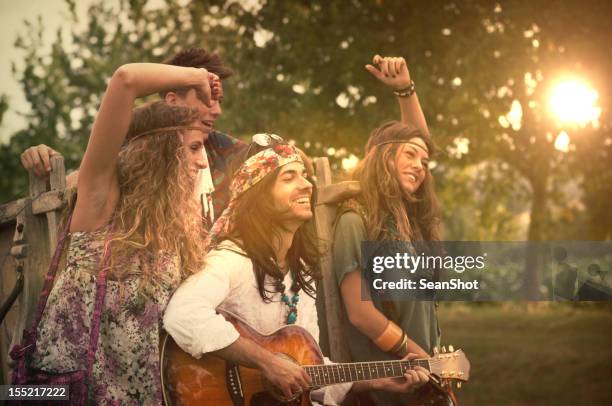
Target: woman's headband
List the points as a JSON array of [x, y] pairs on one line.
[[398, 133], [164, 129]]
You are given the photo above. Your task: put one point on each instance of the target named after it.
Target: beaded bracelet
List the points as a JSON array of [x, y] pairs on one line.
[[407, 92]]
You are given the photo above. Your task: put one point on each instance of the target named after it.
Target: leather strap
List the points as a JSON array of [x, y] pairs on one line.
[[49, 278], [96, 317], [94, 333]]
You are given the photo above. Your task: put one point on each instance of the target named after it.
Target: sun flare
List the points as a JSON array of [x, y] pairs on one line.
[[574, 102]]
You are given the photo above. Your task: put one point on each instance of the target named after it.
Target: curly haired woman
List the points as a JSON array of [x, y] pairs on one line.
[[135, 206]]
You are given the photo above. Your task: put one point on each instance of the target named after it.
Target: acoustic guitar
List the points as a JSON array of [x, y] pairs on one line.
[[211, 380]]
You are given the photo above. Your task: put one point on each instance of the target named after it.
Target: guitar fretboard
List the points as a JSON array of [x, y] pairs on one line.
[[322, 375]]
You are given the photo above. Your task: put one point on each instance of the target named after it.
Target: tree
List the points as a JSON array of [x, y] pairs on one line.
[[300, 73], [64, 86], [493, 57]]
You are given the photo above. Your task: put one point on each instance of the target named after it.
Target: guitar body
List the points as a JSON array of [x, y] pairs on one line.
[[211, 380]]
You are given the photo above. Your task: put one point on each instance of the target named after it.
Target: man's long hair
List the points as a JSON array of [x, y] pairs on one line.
[[257, 230], [417, 217], [157, 217]]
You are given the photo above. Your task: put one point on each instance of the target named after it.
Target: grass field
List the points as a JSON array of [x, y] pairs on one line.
[[555, 355]]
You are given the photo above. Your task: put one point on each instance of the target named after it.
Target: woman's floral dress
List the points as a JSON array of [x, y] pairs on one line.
[[126, 366]]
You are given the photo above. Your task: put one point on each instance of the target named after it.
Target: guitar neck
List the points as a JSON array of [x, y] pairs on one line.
[[331, 374]]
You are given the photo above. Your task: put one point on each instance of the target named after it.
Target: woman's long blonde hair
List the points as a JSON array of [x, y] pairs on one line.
[[417, 217], [157, 216]]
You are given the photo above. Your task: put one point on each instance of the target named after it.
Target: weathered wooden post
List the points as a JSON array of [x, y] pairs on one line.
[[51, 202], [333, 337], [35, 220]]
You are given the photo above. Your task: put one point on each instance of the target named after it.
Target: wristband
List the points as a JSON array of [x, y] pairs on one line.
[[390, 337], [406, 92], [401, 348]]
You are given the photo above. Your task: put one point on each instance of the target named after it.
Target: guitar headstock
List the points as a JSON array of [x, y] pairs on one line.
[[450, 365]]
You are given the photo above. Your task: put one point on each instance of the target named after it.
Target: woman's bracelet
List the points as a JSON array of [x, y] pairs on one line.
[[401, 348], [389, 337], [393, 340], [406, 92]]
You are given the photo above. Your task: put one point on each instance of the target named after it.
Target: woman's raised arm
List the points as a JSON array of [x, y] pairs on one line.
[[394, 73], [97, 188]]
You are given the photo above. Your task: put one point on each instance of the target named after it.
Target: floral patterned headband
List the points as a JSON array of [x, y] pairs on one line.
[[251, 172]]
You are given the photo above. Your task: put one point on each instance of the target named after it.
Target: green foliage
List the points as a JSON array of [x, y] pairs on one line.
[[3, 106], [299, 73], [476, 215]]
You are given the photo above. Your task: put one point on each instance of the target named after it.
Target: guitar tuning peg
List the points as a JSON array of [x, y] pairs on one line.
[[451, 348], [443, 349], [436, 351]]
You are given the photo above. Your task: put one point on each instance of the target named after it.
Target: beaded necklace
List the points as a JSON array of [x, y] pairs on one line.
[[290, 303]]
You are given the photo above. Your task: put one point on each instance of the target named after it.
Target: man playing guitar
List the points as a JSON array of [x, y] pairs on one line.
[[261, 267]]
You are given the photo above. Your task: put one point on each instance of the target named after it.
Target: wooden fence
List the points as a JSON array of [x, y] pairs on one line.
[[28, 235]]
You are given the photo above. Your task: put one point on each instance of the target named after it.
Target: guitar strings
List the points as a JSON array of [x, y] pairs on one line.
[[429, 362], [371, 367]]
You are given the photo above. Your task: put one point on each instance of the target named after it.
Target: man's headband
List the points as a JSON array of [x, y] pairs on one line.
[[260, 165], [251, 172]]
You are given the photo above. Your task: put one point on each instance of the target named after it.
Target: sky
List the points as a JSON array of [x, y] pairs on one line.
[[12, 15], [54, 14]]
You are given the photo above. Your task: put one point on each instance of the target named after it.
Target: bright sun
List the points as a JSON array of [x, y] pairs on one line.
[[574, 102]]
